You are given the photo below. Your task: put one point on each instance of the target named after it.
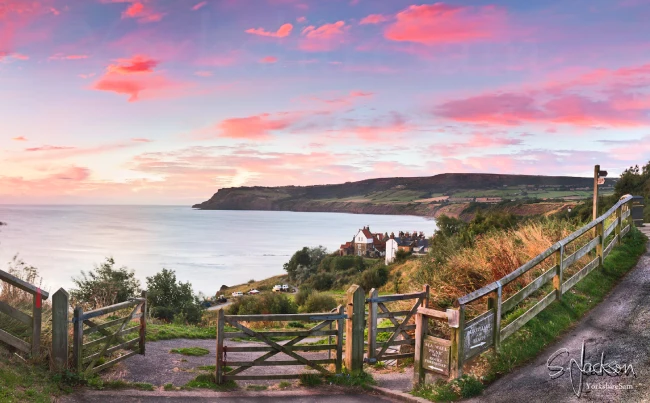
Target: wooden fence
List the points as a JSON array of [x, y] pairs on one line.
[[401, 320], [485, 330], [272, 348], [112, 332], [33, 321]]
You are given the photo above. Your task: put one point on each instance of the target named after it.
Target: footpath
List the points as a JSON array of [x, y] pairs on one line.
[[617, 331]]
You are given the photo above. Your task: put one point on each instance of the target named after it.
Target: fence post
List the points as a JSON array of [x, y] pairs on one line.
[[60, 306], [558, 278], [220, 330], [619, 224], [494, 304], [356, 310], [340, 324], [143, 324], [421, 331], [78, 338], [600, 230], [36, 323], [456, 359], [372, 326]]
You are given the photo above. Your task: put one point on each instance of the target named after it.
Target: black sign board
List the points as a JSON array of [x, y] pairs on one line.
[[479, 336], [436, 355]]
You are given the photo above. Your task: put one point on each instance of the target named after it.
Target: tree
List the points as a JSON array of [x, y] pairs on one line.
[[105, 285], [304, 263], [172, 300]]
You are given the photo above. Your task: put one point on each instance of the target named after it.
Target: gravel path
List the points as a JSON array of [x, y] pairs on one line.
[[619, 327], [159, 367]]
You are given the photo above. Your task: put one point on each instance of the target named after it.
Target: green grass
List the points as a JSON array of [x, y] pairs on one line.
[[256, 388], [311, 380], [526, 344], [191, 351], [168, 331], [284, 385], [24, 382], [357, 380], [207, 381], [169, 386]]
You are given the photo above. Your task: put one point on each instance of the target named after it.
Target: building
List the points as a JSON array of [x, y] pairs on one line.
[[391, 250]]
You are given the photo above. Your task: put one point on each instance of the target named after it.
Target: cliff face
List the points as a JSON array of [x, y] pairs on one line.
[[404, 196]]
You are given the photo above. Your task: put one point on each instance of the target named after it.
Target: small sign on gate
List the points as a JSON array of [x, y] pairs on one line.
[[436, 355], [479, 336]]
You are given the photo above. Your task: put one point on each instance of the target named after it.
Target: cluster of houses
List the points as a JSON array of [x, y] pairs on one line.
[[377, 245]]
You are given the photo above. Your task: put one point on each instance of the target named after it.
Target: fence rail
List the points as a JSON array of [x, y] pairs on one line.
[[273, 348], [485, 330], [33, 322], [111, 332]]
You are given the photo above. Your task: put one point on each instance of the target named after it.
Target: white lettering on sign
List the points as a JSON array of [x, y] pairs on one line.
[[436, 355], [478, 336]]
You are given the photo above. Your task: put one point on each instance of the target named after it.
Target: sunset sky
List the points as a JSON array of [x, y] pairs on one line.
[[166, 101]]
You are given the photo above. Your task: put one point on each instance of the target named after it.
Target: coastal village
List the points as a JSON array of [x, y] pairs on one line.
[[377, 245]]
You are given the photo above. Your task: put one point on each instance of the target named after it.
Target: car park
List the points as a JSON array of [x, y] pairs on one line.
[[237, 294], [277, 288]]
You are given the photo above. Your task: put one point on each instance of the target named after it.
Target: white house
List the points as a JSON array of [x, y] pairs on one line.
[[363, 241], [391, 250]]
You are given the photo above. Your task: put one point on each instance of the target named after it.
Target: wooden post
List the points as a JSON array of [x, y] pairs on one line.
[[372, 326], [78, 338], [60, 304], [421, 331], [619, 224], [461, 341], [220, 331], [559, 274], [494, 304], [340, 324], [143, 324], [455, 357], [354, 329], [600, 230], [596, 171], [37, 308], [425, 300]]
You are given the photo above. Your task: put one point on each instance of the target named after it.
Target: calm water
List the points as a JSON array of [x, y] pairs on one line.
[[206, 248]]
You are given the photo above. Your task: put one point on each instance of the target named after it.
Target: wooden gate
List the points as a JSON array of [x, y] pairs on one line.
[[272, 348], [32, 322], [112, 332], [402, 321]]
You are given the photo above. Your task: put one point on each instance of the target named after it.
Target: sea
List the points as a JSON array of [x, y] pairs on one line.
[[207, 248]]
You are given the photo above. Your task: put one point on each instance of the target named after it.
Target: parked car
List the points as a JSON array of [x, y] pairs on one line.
[[221, 299], [285, 287], [237, 294], [253, 292], [277, 288]]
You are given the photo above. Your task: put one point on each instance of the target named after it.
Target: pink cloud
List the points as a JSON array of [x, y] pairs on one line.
[[19, 138], [138, 10], [133, 10], [49, 148], [203, 73], [301, 19], [324, 38], [282, 32], [73, 174], [85, 76], [257, 127], [269, 59], [134, 87], [373, 19], [136, 64], [61, 56], [440, 23], [141, 140], [478, 140], [200, 5]]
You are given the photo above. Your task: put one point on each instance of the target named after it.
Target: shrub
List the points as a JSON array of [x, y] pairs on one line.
[[401, 255], [318, 302], [373, 278], [105, 285], [263, 304], [294, 324], [310, 379], [302, 294], [191, 351], [322, 281], [172, 300]]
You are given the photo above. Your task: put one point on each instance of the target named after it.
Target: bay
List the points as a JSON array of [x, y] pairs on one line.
[[206, 248]]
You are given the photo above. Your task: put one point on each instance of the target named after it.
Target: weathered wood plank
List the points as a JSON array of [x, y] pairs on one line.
[[478, 318], [609, 247], [301, 333], [354, 328], [94, 343], [534, 285], [579, 275], [528, 315], [393, 320], [300, 317], [15, 313], [23, 285], [403, 326], [432, 313], [409, 342], [96, 328], [123, 346], [397, 297], [611, 228], [395, 328], [581, 252], [340, 327], [400, 356], [372, 324], [78, 338], [278, 363], [15, 342], [113, 362], [253, 349], [220, 336], [625, 230], [37, 311], [143, 325], [60, 308], [394, 314], [260, 377], [108, 309]]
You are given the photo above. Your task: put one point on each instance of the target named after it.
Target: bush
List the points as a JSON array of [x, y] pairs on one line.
[[104, 286], [322, 281], [373, 278], [302, 294], [318, 302], [172, 300], [263, 304], [401, 255]]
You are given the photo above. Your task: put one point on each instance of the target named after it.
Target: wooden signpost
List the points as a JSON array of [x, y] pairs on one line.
[[436, 355], [479, 335]]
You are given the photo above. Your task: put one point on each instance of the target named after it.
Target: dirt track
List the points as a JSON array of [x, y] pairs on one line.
[[619, 327]]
